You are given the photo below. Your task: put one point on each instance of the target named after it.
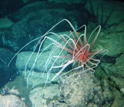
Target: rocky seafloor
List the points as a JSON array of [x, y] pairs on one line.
[[104, 88]]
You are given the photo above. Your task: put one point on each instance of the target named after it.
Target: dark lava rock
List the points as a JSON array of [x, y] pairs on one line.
[[8, 6], [35, 19], [6, 71], [116, 71]]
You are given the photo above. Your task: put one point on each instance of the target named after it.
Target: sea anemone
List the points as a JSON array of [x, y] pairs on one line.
[[79, 50]]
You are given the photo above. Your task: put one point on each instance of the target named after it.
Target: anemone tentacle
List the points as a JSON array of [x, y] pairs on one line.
[[78, 51]]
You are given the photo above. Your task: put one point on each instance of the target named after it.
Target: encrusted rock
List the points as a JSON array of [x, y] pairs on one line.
[[82, 90], [11, 101], [41, 97]]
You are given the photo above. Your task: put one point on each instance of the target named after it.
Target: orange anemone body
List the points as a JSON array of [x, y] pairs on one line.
[[82, 56]]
